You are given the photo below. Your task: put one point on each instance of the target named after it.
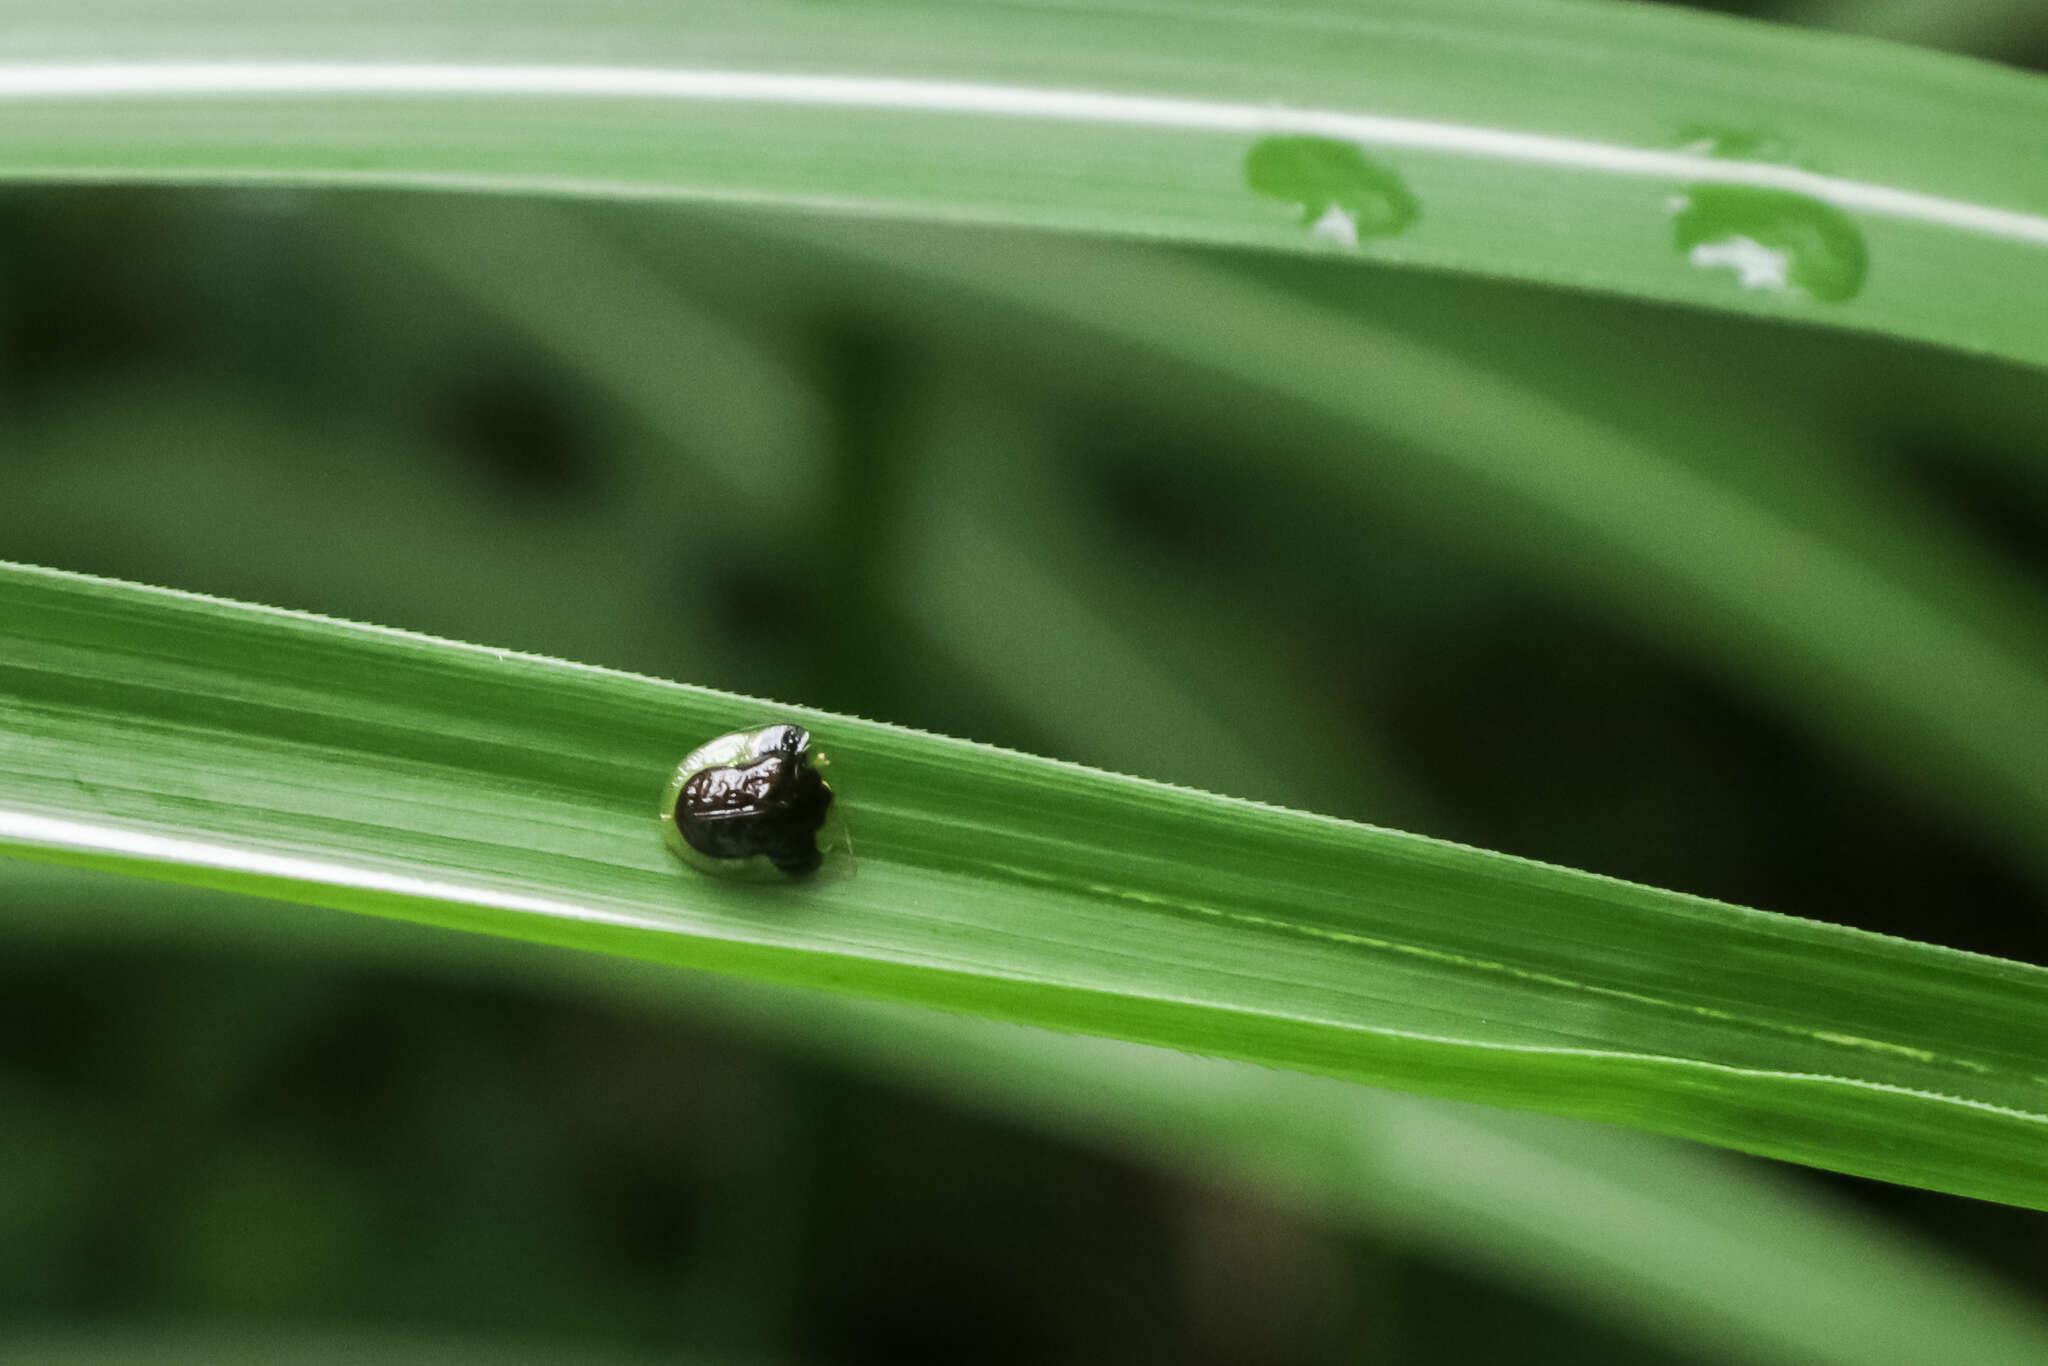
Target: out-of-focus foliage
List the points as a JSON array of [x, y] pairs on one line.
[[265, 396]]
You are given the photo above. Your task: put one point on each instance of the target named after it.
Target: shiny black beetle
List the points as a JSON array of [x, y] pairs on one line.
[[751, 803]]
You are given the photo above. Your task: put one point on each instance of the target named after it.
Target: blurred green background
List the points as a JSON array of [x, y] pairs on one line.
[[709, 447]]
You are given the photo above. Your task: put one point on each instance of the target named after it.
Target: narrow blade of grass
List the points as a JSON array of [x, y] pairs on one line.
[[1642, 150], [262, 751]]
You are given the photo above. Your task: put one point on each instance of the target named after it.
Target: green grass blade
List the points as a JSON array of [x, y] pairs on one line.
[[261, 751], [1646, 151]]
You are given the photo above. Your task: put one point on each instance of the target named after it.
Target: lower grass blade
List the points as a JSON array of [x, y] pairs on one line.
[[257, 750]]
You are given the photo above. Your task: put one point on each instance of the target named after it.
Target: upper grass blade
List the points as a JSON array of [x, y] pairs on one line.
[[1646, 151], [263, 751]]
